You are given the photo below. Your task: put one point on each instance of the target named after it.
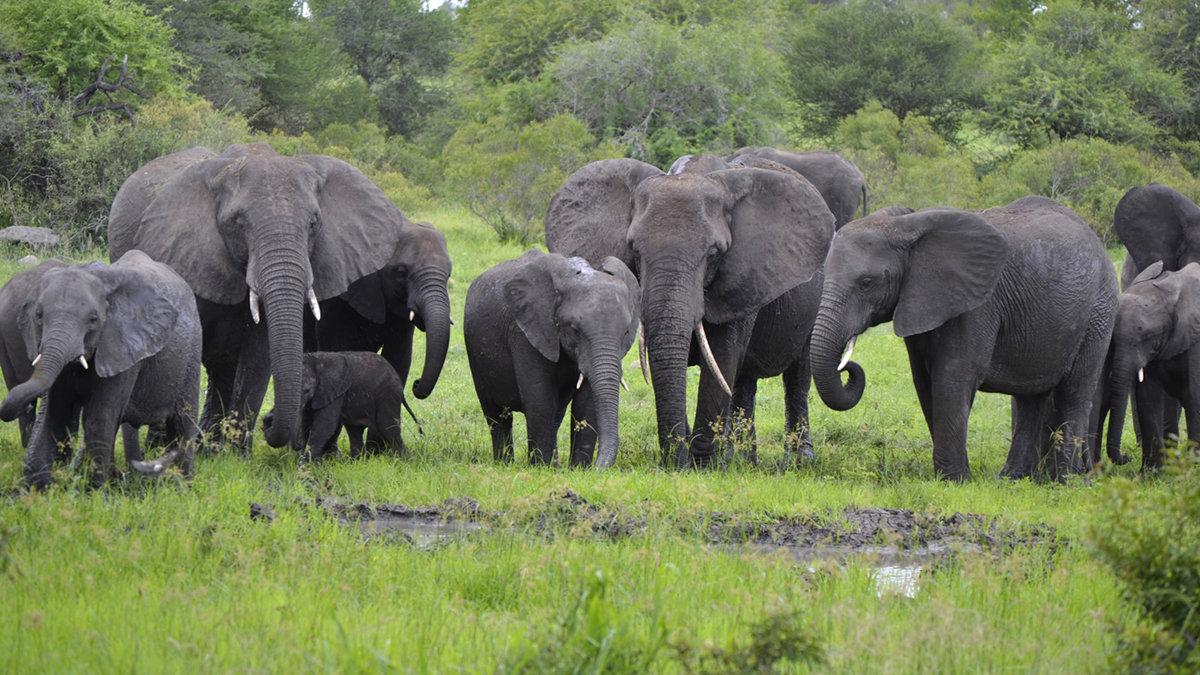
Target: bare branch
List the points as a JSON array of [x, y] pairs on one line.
[[123, 82]]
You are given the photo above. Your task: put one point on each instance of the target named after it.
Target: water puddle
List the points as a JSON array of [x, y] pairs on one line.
[[421, 531]]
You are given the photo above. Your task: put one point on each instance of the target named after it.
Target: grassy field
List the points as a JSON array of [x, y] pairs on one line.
[[172, 577]]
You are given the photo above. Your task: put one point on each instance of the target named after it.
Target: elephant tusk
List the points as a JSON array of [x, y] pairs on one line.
[[83, 362], [849, 351], [641, 340], [451, 321], [580, 382], [624, 384], [35, 361], [1141, 374], [254, 306], [710, 359], [312, 302], [411, 315]]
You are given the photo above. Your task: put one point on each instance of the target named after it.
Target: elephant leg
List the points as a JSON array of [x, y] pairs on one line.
[[542, 423], [1028, 429], [728, 342], [584, 436], [326, 424], [250, 385], [218, 394], [129, 438], [101, 420], [39, 453], [545, 402], [738, 432], [397, 348], [1172, 409], [1150, 395], [797, 380], [355, 433], [500, 426], [388, 435], [952, 399], [922, 383]]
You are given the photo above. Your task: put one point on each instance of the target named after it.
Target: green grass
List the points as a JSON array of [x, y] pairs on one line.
[[173, 577]]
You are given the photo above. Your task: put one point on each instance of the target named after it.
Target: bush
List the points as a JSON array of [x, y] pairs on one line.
[[506, 177], [1088, 175], [1149, 539]]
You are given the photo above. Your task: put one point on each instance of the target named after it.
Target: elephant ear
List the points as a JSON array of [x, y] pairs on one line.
[[332, 378], [141, 316], [181, 223], [780, 231], [359, 227], [954, 261], [590, 214], [1154, 271], [366, 296], [1156, 222], [615, 267], [1182, 290], [533, 299]]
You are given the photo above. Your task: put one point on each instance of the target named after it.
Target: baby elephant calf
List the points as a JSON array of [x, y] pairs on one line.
[[358, 390]]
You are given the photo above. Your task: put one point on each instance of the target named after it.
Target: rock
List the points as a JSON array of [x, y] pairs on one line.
[[33, 236], [28, 261]]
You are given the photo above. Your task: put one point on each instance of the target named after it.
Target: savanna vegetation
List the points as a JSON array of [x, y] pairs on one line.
[[470, 115]]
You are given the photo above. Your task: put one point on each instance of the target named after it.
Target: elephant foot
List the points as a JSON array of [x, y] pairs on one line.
[[1015, 473], [708, 461]]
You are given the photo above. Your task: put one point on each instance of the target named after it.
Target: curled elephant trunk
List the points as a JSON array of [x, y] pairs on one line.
[[433, 301], [828, 340], [50, 363]]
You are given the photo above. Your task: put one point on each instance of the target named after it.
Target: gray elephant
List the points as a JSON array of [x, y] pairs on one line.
[[543, 331], [1018, 300], [381, 309], [1156, 350], [357, 390], [893, 211], [839, 181], [1157, 223], [120, 341], [257, 236], [710, 250], [779, 342]]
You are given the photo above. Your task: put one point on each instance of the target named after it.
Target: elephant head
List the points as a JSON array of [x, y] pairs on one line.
[[268, 232], [713, 247], [413, 285], [918, 271], [89, 317], [1158, 317], [1157, 223], [565, 307]]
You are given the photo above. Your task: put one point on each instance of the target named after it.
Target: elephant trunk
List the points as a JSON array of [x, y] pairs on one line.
[[605, 381], [53, 358], [829, 337], [668, 352], [1121, 386], [433, 302], [283, 292]]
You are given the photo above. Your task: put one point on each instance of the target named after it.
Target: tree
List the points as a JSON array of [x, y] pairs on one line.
[[1171, 34], [664, 90], [393, 46], [906, 57], [1078, 73], [65, 42]]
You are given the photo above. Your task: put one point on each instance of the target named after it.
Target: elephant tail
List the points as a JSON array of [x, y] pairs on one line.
[[420, 431], [864, 202]]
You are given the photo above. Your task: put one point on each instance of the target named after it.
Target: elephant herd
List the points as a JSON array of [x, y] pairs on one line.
[[298, 271]]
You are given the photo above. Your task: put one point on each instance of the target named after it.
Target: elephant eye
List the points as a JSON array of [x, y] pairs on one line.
[[867, 282]]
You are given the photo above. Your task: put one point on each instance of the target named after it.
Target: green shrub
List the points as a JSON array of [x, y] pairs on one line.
[[1149, 538], [506, 177]]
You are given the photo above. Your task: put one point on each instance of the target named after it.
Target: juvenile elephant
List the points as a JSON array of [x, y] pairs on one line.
[[710, 250], [257, 236], [1157, 223], [381, 309], [1017, 300], [357, 390], [543, 331], [120, 341], [1156, 350], [839, 181]]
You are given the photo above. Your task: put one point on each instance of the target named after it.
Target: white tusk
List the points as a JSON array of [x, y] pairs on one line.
[[624, 384], [710, 359], [35, 361], [254, 306], [411, 315], [580, 382], [1141, 374], [83, 362], [849, 351], [642, 353], [312, 302]]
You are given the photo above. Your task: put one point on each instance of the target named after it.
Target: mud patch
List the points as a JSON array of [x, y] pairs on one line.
[[420, 526]]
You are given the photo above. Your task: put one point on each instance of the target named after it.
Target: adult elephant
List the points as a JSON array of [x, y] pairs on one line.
[[381, 309], [839, 181], [709, 250], [257, 236], [1017, 300], [1156, 222]]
